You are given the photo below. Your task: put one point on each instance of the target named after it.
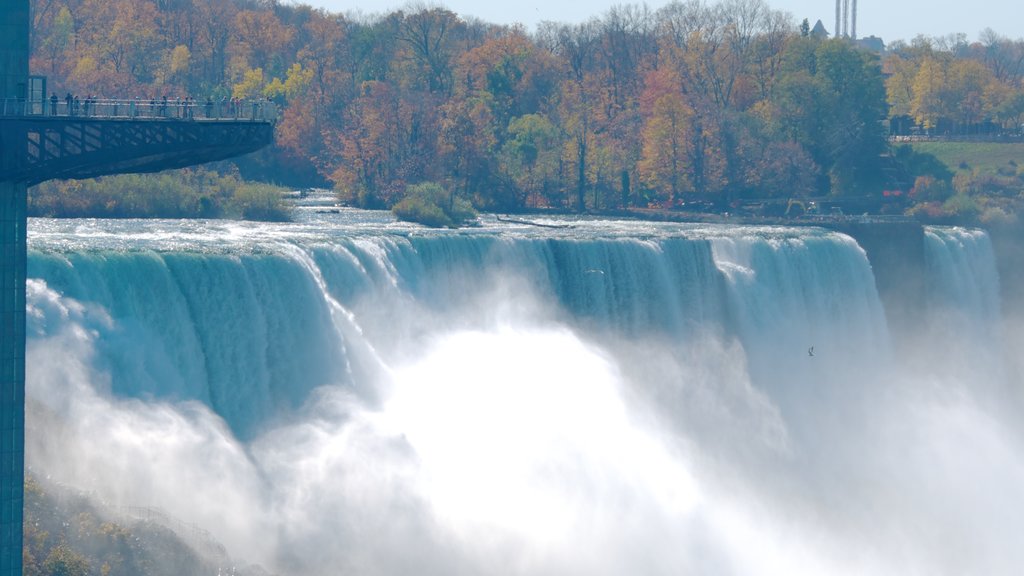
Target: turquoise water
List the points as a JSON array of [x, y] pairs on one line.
[[348, 393]]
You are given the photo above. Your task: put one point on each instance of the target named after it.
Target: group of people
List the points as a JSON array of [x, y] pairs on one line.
[[165, 107], [74, 106], [177, 108]]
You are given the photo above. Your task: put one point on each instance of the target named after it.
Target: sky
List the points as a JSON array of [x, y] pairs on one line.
[[889, 20]]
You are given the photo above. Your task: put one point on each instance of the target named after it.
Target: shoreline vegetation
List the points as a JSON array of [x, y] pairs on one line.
[[186, 193], [713, 107]]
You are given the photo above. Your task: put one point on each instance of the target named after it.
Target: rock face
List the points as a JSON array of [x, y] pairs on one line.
[[1008, 243], [896, 252]]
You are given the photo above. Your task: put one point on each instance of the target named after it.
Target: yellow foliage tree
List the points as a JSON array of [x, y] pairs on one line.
[[251, 86], [666, 134], [926, 106]]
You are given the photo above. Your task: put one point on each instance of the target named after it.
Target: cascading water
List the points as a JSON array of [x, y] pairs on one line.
[[352, 395], [962, 295], [963, 286]]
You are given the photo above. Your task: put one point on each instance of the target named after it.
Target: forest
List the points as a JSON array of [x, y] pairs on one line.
[[693, 102]]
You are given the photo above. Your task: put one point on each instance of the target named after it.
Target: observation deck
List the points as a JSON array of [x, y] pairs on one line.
[[67, 138]]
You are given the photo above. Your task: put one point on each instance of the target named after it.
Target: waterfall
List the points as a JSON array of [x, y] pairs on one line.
[[962, 275], [964, 322], [354, 395]]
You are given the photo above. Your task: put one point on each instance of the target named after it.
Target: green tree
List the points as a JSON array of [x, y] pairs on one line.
[[530, 157], [831, 100], [855, 88]]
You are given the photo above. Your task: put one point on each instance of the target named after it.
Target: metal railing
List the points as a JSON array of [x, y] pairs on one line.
[[141, 108], [993, 137]]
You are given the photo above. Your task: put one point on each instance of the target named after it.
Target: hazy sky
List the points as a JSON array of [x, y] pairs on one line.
[[891, 20]]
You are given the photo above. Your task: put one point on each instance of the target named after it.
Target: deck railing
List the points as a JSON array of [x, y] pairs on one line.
[[140, 108]]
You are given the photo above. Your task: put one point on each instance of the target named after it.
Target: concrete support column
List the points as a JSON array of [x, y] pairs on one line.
[[14, 31], [12, 374], [14, 52]]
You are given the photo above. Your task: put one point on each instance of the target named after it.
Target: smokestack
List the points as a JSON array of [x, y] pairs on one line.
[[853, 22], [838, 18], [846, 18]]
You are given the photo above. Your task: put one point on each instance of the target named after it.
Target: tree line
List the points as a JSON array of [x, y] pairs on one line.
[[637, 107], [949, 86]]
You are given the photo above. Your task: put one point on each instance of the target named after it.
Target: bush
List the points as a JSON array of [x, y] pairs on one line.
[[929, 188], [962, 206], [422, 211], [260, 202], [996, 215], [432, 205], [928, 211], [986, 185]]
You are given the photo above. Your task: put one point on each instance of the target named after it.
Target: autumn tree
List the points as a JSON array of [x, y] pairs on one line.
[[927, 105], [259, 40], [901, 73], [1002, 56], [467, 144], [58, 41], [504, 78], [429, 36], [578, 92], [517, 77], [968, 84], [667, 136], [627, 47], [383, 144], [118, 45], [214, 24], [364, 152], [723, 98], [324, 53]]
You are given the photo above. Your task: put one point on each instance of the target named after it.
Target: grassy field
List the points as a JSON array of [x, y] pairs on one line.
[[982, 158]]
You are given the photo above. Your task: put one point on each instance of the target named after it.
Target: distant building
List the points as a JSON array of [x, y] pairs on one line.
[[819, 31], [872, 43], [846, 27]]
